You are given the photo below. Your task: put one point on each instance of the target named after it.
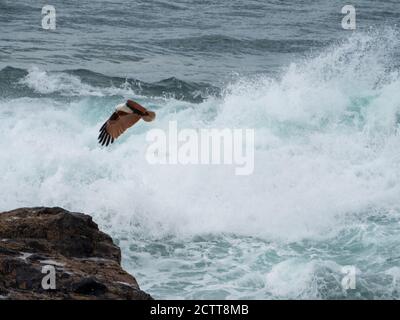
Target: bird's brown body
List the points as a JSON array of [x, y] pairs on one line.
[[124, 117]]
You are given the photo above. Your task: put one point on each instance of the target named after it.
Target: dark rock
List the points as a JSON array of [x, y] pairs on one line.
[[85, 260], [90, 286]]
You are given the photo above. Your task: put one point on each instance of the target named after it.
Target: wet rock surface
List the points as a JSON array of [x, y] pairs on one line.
[[51, 253]]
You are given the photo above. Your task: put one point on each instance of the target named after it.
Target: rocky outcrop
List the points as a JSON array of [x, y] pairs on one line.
[[50, 253]]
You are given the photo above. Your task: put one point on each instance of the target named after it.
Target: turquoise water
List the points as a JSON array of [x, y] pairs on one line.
[[325, 189]]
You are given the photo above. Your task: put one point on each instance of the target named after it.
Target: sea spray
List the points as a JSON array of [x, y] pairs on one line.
[[324, 193]]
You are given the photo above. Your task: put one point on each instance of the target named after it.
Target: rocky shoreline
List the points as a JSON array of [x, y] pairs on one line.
[[51, 253]]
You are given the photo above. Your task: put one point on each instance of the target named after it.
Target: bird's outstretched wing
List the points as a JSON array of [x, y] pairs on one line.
[[116, 125]]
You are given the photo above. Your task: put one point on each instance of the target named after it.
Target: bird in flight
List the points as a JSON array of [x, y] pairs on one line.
[[124, 117]]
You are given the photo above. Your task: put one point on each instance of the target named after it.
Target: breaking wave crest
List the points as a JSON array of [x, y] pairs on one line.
[[327, 173]]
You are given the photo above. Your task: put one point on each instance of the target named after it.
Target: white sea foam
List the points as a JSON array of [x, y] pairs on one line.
[[327, 144], [327, 150], [68, 85]]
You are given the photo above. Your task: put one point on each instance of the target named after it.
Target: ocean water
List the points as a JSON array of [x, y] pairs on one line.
[[324, 104]]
